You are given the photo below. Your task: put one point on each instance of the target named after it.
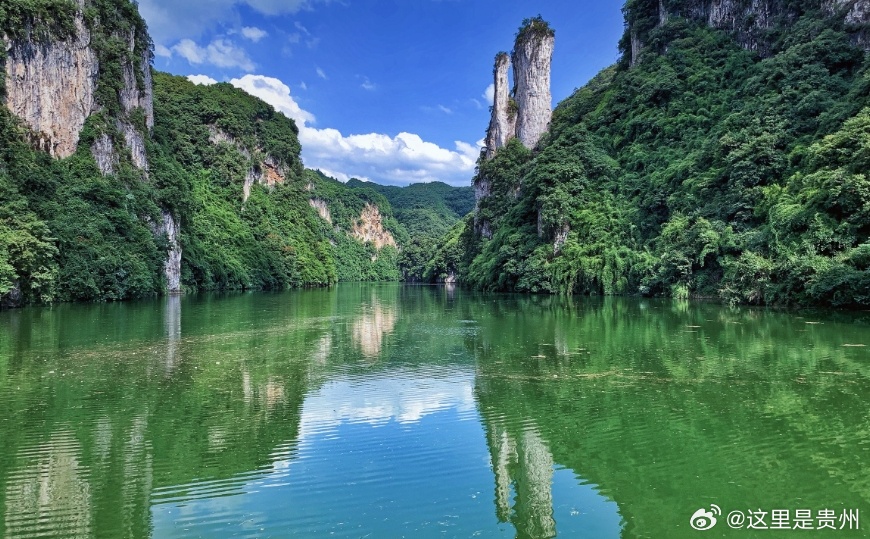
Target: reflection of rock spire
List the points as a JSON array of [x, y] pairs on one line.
[[172, 327], [525, 463], [52, 489]]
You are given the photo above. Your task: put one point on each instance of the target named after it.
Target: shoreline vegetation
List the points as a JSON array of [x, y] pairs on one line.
[[706, 163]]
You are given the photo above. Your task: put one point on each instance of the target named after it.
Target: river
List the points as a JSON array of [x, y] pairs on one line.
[[389, 411]]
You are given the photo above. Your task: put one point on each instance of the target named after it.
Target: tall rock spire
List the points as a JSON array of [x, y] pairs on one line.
[[533, 53], [525, 112], [502, 126]]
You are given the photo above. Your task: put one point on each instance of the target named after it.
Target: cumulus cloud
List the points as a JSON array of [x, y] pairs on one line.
[[368, 85], [203, 80], [489, 94], [253, 33], [220, 52], [400, 159], [277, 94], [171, 20]]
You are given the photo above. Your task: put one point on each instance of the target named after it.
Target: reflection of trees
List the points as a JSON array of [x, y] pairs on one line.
[[751, 409], [118, 424]]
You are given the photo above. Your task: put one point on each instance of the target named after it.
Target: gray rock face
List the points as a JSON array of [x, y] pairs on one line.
[[51, 86], [503, 125], [104, 155], [532, 58]]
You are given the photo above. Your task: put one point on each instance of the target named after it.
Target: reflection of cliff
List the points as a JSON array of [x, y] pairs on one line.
[[369, 329], [522, 462]]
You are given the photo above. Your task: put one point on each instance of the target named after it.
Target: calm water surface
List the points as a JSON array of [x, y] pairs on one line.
[[389, 411]]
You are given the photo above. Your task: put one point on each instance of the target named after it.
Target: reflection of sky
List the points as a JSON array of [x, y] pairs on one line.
[[378, 456], [405, 397]]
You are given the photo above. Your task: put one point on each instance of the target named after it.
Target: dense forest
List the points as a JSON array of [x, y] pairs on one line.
[[698, 168]]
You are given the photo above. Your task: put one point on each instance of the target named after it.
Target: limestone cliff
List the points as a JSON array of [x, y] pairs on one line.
[[750, 21], [503, 125], [533, 53], [369, 228], [322, 209], [51, 86]]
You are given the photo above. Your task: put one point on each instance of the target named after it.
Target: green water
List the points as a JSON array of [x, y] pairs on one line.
[[389, 411]]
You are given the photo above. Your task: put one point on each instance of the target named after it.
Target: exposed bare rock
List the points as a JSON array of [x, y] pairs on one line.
[[50, 85], [104, 155], [263, 168], [525, 114], [322, 209], [135, 142], [503, 125], [369, 228], [532, 57], [132, 96]]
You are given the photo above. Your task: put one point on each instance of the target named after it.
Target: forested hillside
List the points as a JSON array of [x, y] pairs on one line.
[[717, 165], [117, 182], [428, 211]]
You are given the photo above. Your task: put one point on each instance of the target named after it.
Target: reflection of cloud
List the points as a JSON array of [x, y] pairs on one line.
[[52, 490], [369, 329], [405, 397]]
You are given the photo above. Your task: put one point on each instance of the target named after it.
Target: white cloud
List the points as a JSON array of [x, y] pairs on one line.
[[489, 94], [220, 52], [301, 28], [368, 85], [171, 20], [404, 158], [276, 93], [321, 74], [303, 85], [445, 110], [204, 80], [253, 33], [162, 50]]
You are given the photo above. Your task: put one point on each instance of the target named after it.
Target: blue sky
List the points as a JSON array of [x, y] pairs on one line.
[[392, 91]]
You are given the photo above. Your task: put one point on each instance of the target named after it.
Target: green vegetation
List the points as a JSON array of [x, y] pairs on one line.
[[428, 211], [704, 170], [224, 164]]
